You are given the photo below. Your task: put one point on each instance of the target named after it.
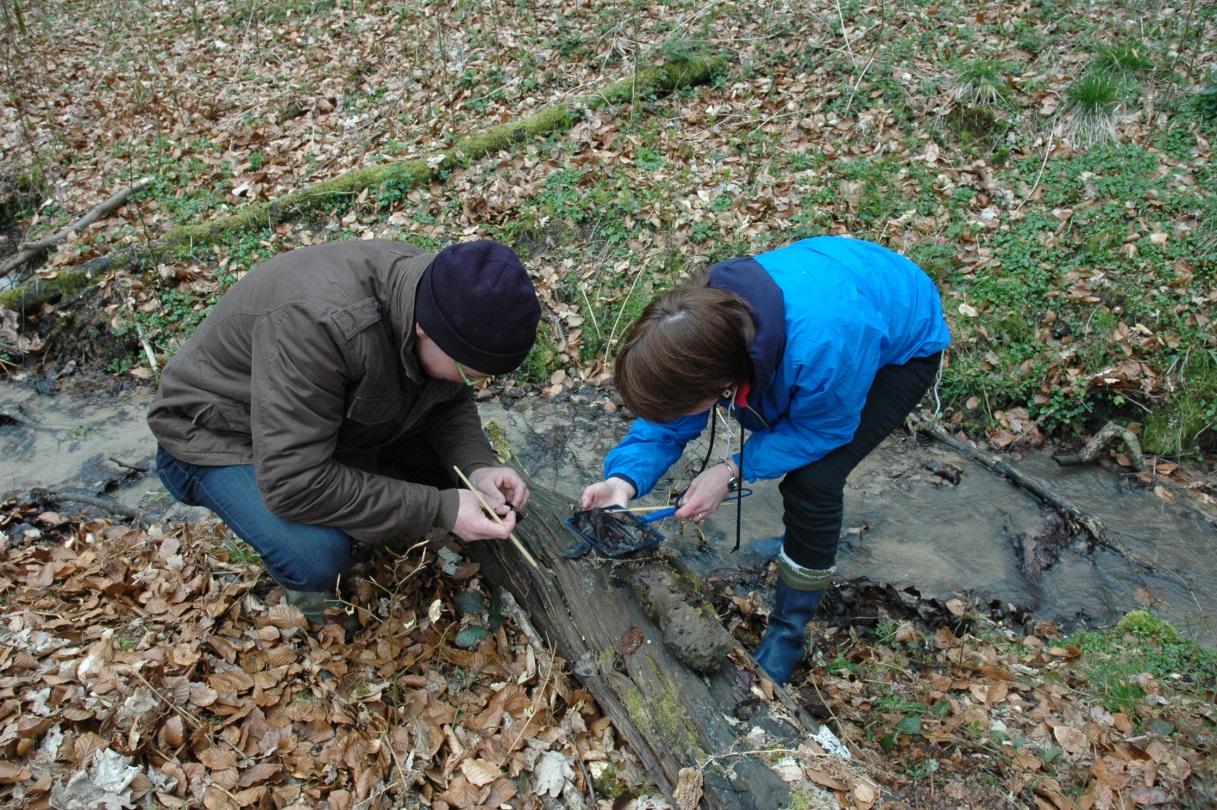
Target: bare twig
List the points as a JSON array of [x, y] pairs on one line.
[[106, 504], [143, 338], [512, 608], [844, 33], [1043, 164], [1070, 511], [187, 716], [125, 465]]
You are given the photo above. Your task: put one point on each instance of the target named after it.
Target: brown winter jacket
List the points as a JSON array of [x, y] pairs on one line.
[[306, 368]]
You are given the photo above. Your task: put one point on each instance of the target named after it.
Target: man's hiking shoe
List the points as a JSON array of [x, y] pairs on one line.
[[314, 604]]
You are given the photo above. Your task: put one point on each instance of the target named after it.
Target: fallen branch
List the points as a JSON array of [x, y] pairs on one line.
[[53, 497], [34, 249], [401, 175], [1110, 433], [1071, 512]]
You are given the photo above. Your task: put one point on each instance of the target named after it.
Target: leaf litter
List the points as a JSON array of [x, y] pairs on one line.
[[147, 668], [159, 651]]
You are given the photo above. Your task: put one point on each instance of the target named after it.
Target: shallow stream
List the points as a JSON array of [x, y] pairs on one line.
[[905, 523]]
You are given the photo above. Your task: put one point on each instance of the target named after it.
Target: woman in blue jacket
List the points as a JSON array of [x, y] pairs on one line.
[[820, 349]]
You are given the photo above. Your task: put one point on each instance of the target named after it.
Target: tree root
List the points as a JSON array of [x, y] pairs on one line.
[[1110, 433]]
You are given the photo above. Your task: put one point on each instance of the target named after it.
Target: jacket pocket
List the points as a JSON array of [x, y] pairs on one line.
[[222, 418], [373, 410]]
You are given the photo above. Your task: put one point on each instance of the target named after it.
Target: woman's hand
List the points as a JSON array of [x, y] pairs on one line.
[[613, 492], [706, 493]]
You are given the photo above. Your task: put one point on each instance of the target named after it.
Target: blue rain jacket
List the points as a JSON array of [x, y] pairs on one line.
[[830, 312]]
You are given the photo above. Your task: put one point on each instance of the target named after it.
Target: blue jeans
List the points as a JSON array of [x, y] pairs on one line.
[[297, 555]]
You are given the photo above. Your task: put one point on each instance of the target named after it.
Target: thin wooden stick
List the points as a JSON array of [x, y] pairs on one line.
[[495, 516]]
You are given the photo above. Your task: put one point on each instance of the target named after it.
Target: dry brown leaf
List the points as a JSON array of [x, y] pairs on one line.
[[1071, 739], [11, 772], [688, 792], [480, 772], [864, 795]]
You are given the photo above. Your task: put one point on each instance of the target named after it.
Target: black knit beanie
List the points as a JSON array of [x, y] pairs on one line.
[[477, 303]]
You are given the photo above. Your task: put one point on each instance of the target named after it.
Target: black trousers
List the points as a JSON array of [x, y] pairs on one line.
[[814, 496]]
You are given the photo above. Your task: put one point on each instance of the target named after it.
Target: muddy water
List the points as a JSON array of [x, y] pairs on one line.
[[904, 524]]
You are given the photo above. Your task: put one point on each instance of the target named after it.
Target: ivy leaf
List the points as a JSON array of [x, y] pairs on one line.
[[471, 636]]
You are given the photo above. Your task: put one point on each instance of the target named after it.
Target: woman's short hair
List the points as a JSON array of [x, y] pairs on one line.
[[687, 347]]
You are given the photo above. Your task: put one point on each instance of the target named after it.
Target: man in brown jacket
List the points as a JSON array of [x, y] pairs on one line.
[[325, 400]]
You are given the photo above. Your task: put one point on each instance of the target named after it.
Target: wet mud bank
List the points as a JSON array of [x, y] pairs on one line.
[[919, 517]]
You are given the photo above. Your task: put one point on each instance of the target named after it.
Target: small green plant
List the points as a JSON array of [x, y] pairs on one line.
[[980, 82], [241, 553], [1204, 103], [81, 432], [1092, 105], [1142, 643], [127, 643], [1122, 61]]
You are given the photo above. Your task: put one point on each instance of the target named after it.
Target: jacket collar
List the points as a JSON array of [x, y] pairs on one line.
[[746, 278], [398, 286]]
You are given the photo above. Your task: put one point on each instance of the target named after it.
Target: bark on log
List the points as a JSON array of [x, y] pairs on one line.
[[672, 717]]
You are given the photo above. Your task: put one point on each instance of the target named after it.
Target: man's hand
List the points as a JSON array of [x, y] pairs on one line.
[[706, 493], [613, 492], [501, 486], [472, 522]]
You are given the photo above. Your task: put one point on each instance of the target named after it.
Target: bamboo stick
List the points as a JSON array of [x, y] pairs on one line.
[[495, 516]]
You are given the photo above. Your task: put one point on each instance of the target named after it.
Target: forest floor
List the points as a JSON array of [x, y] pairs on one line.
[[1048, 162]]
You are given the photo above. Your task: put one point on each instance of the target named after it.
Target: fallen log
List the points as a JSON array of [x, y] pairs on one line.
[[33, 250], [600, 616]]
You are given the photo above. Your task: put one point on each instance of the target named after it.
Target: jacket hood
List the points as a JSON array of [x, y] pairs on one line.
[[746, 278]]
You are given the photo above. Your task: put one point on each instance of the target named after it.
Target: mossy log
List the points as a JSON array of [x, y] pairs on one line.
[[672, 716], [404, 175], [38, 291]]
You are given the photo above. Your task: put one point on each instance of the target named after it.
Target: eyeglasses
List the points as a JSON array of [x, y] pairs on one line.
[[465, 377]]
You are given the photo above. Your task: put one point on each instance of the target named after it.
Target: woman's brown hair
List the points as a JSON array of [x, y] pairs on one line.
[[688, 346]]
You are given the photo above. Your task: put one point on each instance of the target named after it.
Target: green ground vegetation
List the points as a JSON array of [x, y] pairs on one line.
[[1051, 170]]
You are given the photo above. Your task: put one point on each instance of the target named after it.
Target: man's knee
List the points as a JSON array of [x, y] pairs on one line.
[[315, 564]]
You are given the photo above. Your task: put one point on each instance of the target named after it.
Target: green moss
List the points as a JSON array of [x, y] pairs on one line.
[[1145, 625], [1142, 642], [41, 291], [609, 786], [663, 714], [498, 439], [608, 659]]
